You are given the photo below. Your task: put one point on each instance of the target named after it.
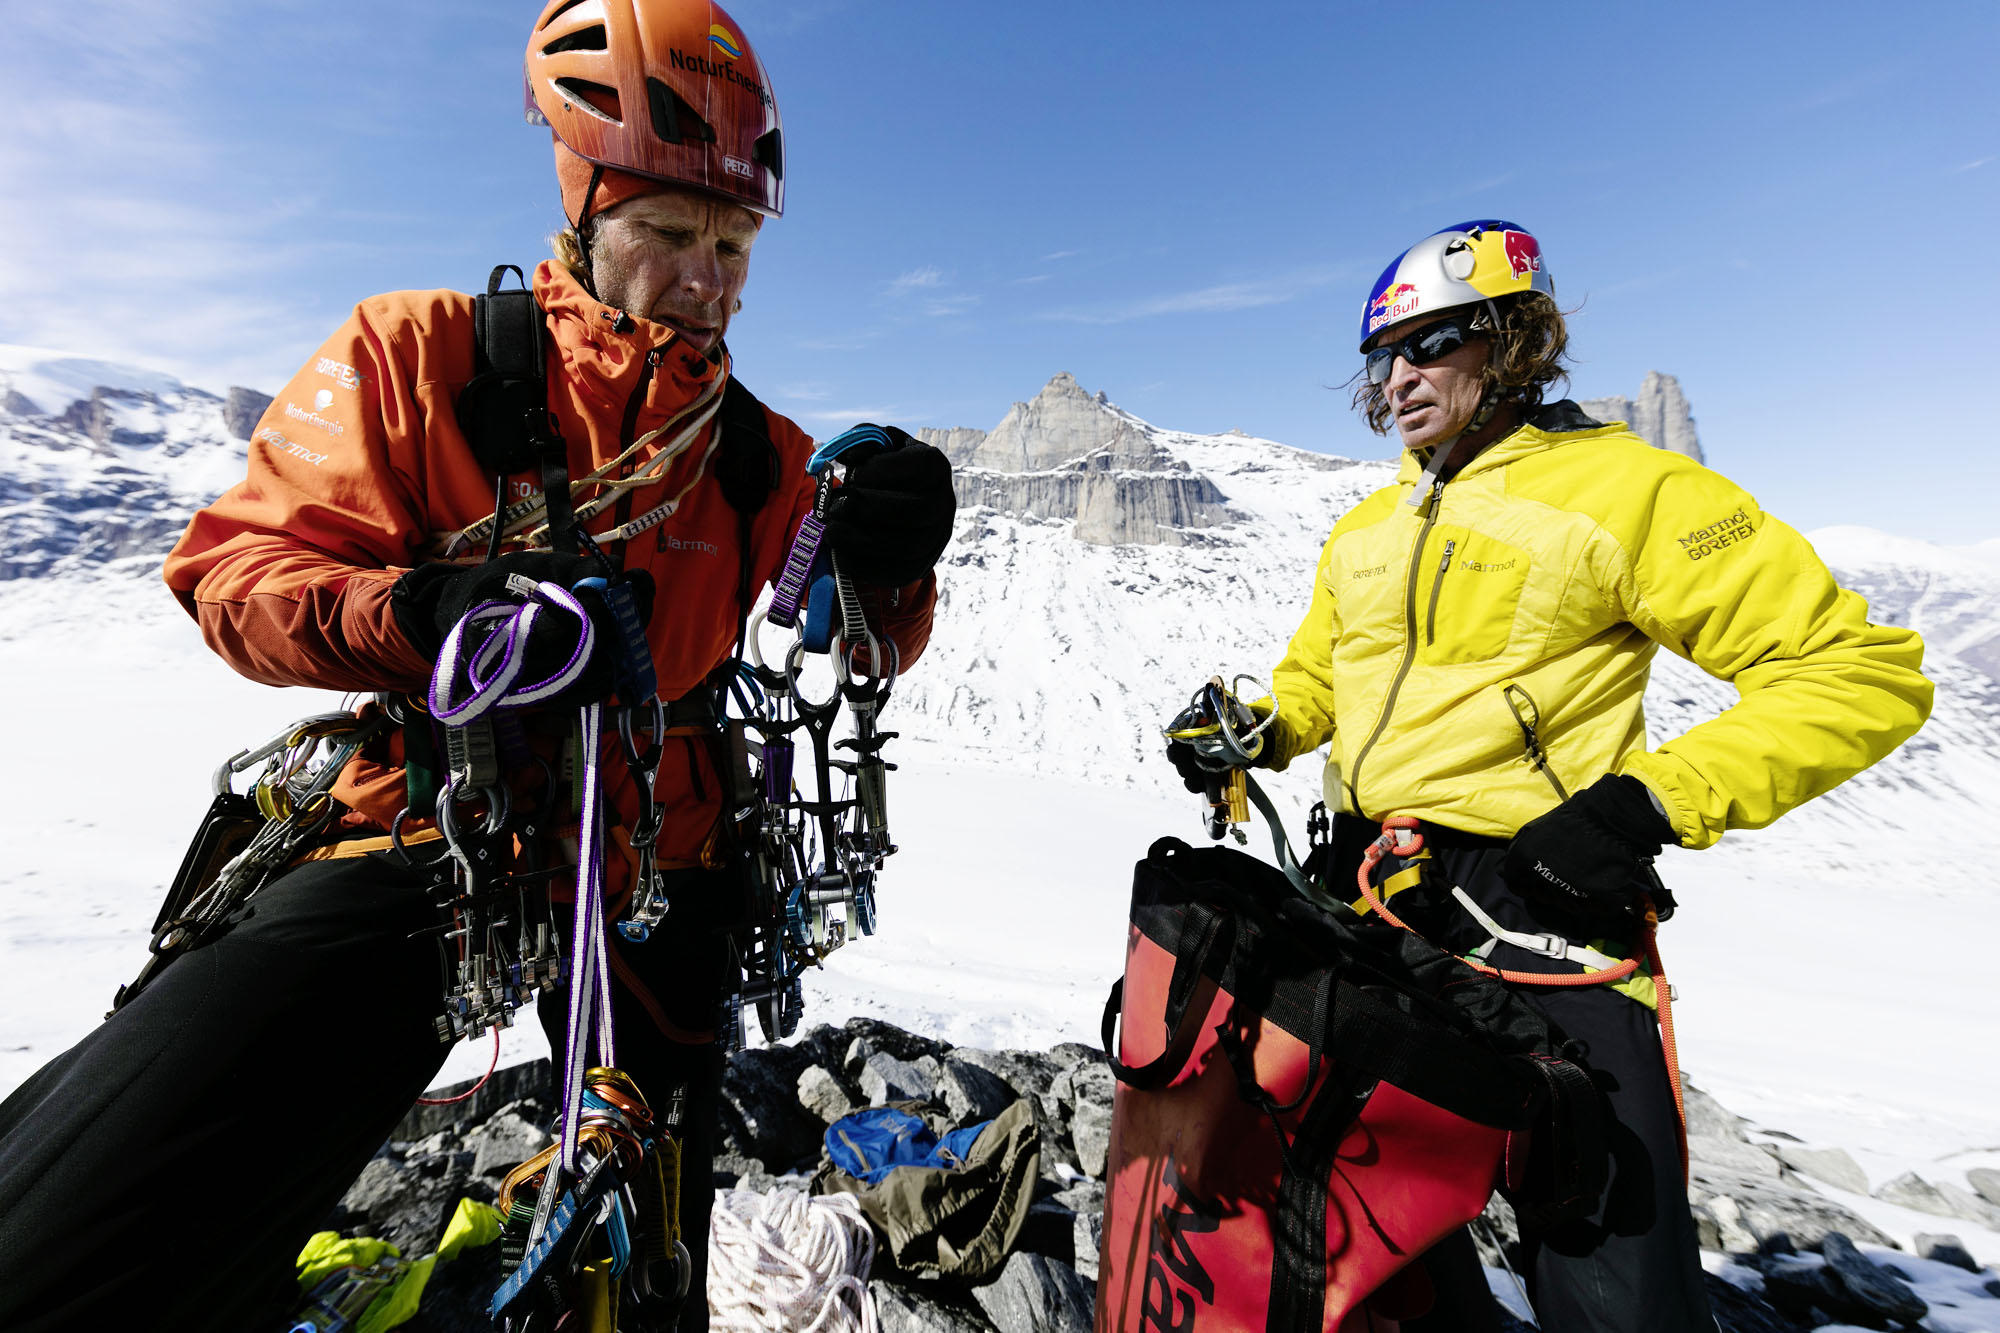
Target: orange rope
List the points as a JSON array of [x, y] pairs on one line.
[[1649, 947]]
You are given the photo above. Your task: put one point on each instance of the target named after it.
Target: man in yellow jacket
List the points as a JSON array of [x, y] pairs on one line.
[[1476, 656]]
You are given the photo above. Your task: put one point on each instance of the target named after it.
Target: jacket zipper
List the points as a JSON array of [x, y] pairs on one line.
[[1431, 508], [1529, 720], [1437, 586]]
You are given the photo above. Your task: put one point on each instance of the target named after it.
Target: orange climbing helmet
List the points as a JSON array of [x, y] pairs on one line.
[[669, 90]]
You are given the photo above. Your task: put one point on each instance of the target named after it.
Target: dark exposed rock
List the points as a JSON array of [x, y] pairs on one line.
[[242, 409], [1866, 1286], [826, 1096], [761, 1115], [903, 1310], [505, 1087], [1742, 1213], [970, 1092], [1831, 1165], [1740, 1311], [1946, 1250], [884, 1079], [1035, 1294]]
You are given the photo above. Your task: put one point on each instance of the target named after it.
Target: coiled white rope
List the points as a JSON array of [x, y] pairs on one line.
[[786, 1260]]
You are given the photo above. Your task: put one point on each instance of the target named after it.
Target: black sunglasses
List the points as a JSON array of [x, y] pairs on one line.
[[1421, 348]]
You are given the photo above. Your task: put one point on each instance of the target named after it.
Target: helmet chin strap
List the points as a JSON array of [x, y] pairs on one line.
[[1489, 403]]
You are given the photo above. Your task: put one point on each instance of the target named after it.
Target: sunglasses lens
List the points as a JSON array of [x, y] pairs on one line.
[[1436, 341], [1379, 362]]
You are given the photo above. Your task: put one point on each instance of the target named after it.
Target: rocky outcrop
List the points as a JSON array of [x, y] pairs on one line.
[[1658, 415], [242, 410], [1071, 455], [1791, 1259]]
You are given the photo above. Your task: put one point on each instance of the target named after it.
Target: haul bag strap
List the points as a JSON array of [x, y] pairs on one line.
[[1203, 930]]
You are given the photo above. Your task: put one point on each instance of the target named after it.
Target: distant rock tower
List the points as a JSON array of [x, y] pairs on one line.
[[1071, 454], [1659, 415]]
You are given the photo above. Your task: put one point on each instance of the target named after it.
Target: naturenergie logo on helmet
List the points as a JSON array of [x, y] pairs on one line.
[[726, 41], [696, 63]]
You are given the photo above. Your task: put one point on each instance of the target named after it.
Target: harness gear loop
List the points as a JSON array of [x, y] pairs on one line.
[[1400, 837]]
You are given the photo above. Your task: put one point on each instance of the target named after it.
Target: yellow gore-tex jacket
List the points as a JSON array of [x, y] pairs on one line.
[[1476, 658]]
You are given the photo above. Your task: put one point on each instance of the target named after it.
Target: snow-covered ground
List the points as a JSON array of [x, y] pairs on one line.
[[1848, 1004]]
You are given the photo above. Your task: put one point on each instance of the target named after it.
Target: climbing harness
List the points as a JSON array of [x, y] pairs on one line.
[[1400, 838], [246, 838]]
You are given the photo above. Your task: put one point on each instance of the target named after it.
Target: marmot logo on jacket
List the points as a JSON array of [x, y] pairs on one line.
[[1727, 532], [669, 542]]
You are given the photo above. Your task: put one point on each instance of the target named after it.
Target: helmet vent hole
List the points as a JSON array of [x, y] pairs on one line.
[[673, 119], [583, 39], [559, 11], [770, 150], [593, 98]]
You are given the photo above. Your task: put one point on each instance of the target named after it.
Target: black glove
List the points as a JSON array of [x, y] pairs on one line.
[[1584, 856], [891, 519], [1195, 775], [430, 599]]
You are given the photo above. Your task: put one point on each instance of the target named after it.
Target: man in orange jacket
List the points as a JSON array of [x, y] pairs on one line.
[[172, 1163]]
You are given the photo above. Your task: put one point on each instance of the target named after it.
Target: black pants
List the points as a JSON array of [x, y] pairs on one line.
[[666, 991], [1634, 1264], [170, 1165]]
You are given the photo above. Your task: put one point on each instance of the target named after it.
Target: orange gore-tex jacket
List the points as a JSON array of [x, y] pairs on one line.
[[360, 463]]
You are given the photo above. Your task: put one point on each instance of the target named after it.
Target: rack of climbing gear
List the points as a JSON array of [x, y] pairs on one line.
[[591, 1224], [1228, 736], [246, 838], [814, 857]]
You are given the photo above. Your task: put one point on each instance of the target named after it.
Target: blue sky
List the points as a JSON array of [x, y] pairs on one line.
[[1794, 208]]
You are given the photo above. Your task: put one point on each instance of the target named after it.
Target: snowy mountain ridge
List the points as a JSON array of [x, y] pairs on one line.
[[1102, 567]]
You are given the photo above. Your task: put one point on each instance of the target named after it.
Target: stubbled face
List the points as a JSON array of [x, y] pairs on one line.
[[678, 258], [1432, 403]]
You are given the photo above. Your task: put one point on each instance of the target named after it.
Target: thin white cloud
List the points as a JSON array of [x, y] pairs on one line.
[[1032, 278], [1222, 297], [854, 415], [1973, 165], [944, 307], [917, 279], [806, 393], [1060, 254]]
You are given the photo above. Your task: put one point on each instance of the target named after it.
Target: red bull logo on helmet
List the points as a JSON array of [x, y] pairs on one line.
[[1524, 252], [1392, 303]]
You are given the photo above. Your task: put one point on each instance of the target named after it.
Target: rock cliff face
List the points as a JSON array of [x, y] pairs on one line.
[[92, 472], [1659, 415], [1072, 455]]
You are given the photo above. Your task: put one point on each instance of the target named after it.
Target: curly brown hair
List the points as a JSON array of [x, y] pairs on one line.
[[1529, 349]]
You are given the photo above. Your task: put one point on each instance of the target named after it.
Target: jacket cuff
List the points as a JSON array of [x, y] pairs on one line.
[[368, 622]]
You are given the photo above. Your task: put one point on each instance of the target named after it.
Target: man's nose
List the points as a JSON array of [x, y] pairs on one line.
[[702, 278]]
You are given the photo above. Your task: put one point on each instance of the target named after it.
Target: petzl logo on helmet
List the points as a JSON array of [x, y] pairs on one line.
[[726, 41], [1391, 303], [1524, 253]]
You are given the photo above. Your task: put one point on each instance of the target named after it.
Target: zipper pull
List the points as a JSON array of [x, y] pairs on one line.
[[1451, 544]]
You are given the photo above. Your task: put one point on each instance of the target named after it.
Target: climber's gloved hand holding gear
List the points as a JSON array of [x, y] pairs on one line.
[[1585, 856], [889, 521], [432, 598], [1196, 774]]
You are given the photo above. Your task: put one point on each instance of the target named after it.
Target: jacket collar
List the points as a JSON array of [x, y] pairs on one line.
[[1547, 427], [603, 351]]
